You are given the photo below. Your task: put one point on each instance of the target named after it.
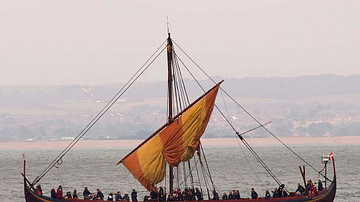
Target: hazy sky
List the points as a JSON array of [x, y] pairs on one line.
[[105, 41]]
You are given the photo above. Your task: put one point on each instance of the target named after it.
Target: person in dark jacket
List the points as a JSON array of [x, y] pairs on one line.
[[231, 195], [133, 195], [126, 197], [75, 194], [110, 197], [118, 196], [280, 190], [86, 194], [216, 195], [224, 196], [254, 195], [309, 187], [198, 194], [161, 194], [284, 193], [183, 196], [267, 194], [320, 185], [300, 190], [179, 197], [237, 194], [68, 195], [53, 193], [275, 193], [99, 195], [154, 194]]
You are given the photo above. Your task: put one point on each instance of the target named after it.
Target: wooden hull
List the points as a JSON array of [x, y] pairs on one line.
[[326, 195]]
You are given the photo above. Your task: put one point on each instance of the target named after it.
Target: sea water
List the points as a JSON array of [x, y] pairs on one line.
[[231, 167]]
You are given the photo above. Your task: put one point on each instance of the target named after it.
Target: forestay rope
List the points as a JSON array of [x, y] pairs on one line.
[[117, 96]]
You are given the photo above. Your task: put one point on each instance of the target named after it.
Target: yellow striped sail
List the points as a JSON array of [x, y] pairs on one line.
[[175, 143]]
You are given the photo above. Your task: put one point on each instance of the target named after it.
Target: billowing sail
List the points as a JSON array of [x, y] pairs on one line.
[[175, 143]]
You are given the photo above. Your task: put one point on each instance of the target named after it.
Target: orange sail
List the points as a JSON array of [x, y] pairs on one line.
[[175, 143]]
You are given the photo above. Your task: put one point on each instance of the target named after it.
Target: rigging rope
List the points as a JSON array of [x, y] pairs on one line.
[[181, 98], [191, 176], [247, 160], [197, 172], [227, 112], [181, 82], [204, 176], [260, 160], [207, 166], [187, 176], [267, 169], [177, 176], [61, 180], [126, 86], [253, 116]]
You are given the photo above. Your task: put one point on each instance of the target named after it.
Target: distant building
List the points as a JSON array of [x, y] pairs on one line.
[[67, 138]]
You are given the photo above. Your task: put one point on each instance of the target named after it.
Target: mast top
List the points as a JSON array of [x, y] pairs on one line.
[[167, 25]]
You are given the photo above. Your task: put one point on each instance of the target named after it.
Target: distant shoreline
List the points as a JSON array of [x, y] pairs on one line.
[[113, 144]]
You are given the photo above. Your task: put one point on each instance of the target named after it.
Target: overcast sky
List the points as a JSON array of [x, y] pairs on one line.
[[106, 41]]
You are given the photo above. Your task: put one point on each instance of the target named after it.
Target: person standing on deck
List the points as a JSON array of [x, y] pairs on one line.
[[267, 194], [284, 193], [198, 194], [110, 197], [280, 190], [320, 185], [231, 196], [118, 196], [75, 194], [126, 197], [99, 195], [53, 193], [237, 194], [275, 193], [59, 192], [86, 194], [216, 195], [300, 189], [254, 195], [133, 195], [224, 197], [39, 190]]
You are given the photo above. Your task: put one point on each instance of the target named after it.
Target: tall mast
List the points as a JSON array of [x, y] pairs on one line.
[[170, 89], [169, 59]]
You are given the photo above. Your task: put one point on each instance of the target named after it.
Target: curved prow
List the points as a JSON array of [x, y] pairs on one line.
[[332, 187], [332, 158], [330, 192]]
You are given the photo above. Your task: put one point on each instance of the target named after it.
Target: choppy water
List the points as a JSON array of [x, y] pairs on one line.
[[229, 168]]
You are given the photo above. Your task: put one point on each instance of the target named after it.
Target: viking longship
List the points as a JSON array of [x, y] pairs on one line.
[[178, 141]]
